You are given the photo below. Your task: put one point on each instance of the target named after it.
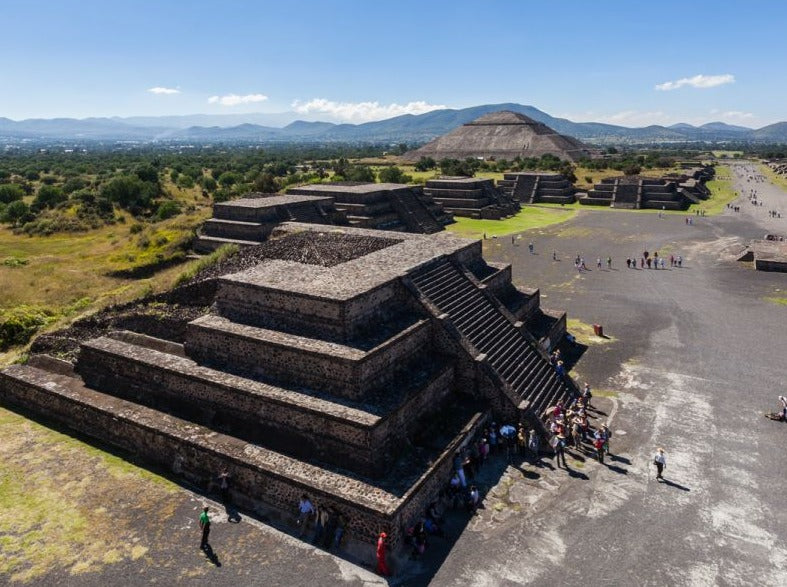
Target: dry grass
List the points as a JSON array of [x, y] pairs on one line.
[[70, 273]]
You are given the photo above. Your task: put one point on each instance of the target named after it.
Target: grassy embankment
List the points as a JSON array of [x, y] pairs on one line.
[[722, 192], [52, 280], [773, 177]]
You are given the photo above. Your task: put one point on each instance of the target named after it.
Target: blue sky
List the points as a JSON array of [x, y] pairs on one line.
[[598, 60]]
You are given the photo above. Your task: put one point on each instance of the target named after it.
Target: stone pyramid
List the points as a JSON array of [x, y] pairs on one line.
[[502, 135]]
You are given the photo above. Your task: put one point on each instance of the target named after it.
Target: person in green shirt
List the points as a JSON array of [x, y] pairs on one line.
[[204, 523]]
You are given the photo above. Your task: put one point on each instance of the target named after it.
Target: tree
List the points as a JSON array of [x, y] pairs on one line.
[[393, 175], [465, 168], [11, 192], [632, 170], [16, 212], [228, 178], [360, 173], [168, 209], [266, 183], [425, 164], [48, 196], [130, 192]]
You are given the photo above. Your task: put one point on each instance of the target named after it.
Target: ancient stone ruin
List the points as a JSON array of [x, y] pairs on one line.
[[347, 364], [767, 254], [385, 206], [471, 196], [503, 135], [250, 220], [535, 187], [635, 192]]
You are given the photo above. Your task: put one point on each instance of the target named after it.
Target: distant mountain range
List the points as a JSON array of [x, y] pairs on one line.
[[409, 128]]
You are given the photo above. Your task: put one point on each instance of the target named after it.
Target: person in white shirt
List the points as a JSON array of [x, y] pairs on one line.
[[661, 463]]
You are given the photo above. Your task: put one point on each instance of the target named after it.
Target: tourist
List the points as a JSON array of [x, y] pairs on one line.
[[586, 394], [224, 486], [576, 433], [554, 255], [607, 435], [521, 439], [305, 511], [628, 262], [680, 261], [642, 262], [598, 444], [784, 407], [598, 263], [533, 442], [459, 468], [661, 463], [484, 449], [321, 520], [531, 248], [559, 444], [493, 439], [473, 499], [663, 263], [204, 524], [382, 567], [338, 534], [609, 262]]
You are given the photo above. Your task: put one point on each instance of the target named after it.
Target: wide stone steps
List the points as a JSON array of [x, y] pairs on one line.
[[485, 326]]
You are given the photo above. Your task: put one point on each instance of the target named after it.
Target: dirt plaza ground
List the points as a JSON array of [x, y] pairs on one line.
[[693, 358]]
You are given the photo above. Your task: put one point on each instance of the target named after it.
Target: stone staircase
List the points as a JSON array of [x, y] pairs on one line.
[[483, 324], [414, 213]]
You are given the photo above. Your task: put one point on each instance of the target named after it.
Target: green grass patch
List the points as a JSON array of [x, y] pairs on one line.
[[772, 176], [223, 252], [527, 218], [722, 192], [777, 300]]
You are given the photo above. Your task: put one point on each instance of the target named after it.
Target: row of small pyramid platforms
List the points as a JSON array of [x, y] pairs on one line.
[[472, 197], [251, 219], [312, 372], [672, 192]]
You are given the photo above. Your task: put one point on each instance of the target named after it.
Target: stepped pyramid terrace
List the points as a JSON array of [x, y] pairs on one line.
[[310, 370], [502, 135], [534, 187], [250, 220], [471, 196]]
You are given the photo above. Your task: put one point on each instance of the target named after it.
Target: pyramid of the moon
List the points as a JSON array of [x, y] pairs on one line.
[[502, 135]]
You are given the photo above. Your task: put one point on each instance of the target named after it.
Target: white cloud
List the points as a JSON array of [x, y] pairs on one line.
[[160, 90], [362, 111], [737, 115], [234, 99], [698, 81]]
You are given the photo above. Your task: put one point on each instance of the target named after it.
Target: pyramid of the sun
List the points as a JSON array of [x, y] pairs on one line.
[[502, 135]]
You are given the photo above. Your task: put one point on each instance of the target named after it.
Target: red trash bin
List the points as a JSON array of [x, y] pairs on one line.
[[598, 330]]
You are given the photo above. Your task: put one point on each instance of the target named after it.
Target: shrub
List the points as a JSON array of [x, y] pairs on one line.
[[168, 209], [19, 324], [11, 192]]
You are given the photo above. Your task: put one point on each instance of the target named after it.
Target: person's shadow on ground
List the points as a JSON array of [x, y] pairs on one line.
[[211, 555], [673, 484]]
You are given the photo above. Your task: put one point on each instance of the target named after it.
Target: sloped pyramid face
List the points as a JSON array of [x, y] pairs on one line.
[[502, 135]]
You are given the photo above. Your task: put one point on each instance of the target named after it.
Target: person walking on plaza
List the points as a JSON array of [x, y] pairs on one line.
[[382, 566], [531, 247], [204, 524], [661, 463]]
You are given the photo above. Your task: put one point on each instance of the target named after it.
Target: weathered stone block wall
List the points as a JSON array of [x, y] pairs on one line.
[[295, 423], [195, 454], [338, 319], [260, 479], [498, 282], [296, 360]]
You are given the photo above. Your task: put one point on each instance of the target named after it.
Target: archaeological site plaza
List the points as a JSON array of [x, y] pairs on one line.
[[346, 363]]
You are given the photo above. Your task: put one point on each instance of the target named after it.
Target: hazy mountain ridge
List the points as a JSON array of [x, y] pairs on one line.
[[285, 127]]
